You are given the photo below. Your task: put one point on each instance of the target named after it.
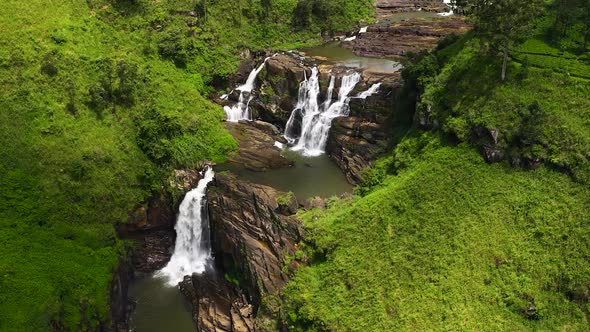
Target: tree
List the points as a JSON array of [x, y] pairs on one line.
[[502, 23]]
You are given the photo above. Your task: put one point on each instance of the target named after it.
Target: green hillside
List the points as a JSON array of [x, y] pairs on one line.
[[99, 100], [440, 240]]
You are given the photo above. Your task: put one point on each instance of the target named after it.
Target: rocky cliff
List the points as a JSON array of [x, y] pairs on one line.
[[254, 232], [355, 142]]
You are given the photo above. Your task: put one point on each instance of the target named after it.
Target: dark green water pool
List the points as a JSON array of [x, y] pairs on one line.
[[160, 308], [311, 176], [340, 55]]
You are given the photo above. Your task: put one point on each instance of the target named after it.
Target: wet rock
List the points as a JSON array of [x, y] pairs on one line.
[[266, 127], [315, 203], [217, 305], [256, 150], [279, 85], [355, 143], [253, 230], [410, 36], [153, 250]]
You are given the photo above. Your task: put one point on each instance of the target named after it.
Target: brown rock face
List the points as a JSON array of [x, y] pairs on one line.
[[387, 8], [153, 250], [257, 151], [398, 39], [217, 305], [279, 85], [253, 229], [355, 143]]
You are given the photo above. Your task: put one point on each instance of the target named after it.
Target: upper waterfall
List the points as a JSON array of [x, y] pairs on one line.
[[192, 250], [315, 120], [372, 90], [241, 110]]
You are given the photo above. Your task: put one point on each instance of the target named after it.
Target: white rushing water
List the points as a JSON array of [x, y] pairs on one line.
[[241, 110], [192, 250], [450, 12], [363, 29], [315, 118], [372, 90]]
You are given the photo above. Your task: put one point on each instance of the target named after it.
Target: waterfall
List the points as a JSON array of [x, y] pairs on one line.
[[192, 250], [450, 12], [372, 90], [241, 110], [315, 120]]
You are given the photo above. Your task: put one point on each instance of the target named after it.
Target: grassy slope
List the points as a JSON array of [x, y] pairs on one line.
[[449, 242], [93, 115]]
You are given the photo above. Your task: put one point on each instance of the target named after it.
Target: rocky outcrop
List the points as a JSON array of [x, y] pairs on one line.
[[217, 306], [254, 230], [355, 143], [256, 150], [279, 87], [386, 8], [410, 36]]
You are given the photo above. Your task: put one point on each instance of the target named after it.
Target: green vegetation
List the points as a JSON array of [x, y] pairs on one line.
[[438, 239], [99, 100], [449, 243]]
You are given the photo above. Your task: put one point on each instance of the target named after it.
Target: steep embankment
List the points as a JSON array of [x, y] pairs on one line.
[[100, 101], [441, 239]]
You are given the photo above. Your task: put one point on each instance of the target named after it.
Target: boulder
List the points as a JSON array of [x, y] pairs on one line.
[[217, 305], [256, 150]]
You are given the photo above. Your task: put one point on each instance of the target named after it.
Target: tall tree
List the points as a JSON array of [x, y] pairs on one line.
[[502, 23]]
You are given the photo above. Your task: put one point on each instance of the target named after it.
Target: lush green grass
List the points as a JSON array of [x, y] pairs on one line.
[[537, 113], [99, 100], [439, 240], [448, 244]]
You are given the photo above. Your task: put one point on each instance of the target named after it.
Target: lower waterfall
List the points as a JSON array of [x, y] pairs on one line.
[[192, 250], [316, 119]]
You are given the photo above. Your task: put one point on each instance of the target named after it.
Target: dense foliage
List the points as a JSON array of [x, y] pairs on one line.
[[99, 100], [438, 239]]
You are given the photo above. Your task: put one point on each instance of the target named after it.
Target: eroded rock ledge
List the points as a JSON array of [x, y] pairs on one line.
[[409, 36], [217, 305], [256, 150], [386, 8], [254, 229]]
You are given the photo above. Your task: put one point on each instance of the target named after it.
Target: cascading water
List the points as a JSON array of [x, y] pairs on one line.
[[192, 251], [372, 90], [241, 110], [450, 12], [315, 120]]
